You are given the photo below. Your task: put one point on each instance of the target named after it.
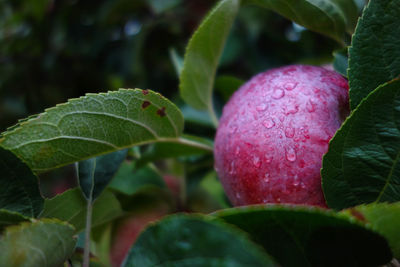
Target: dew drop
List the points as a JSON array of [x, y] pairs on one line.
[[232, 168], [290, 86], [310, 106], [268, 159], [278, 93], [238, 196], [256, 162], [290, 154], [269, 123], [291, 109], [289, 132], [296, 182], [237, 151], [261, 107], [266, 178]]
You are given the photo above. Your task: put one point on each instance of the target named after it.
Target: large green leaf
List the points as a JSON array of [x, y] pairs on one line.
[[93, 125], [8, 218], [70, 206], [203, 53], [374, 52], [304, 236], [194, 241], [329, 17], [19, 188], [383, 218], [39, 243], [94, 174], [362, 164]]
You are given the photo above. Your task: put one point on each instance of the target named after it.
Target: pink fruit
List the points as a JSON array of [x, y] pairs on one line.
[[273, 134]]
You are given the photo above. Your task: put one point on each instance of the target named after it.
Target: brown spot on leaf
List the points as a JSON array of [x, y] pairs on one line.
[[145, 104], [358, 215], [161, 112], [145, 92]]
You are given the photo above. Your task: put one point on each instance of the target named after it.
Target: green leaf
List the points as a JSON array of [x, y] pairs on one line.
[[227, 85], [384, 218], [183, 240], [40, 243], [374, 52], [305, 236], [70, 206], [8, 218], [340, 62], [185, 146], [19, 188], [362, 163], [203, 54], [329, 17], [130, 180], [94, 174], [197, 117], [94, 125]]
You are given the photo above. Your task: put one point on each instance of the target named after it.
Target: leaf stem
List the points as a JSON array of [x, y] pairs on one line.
[[86, 251]]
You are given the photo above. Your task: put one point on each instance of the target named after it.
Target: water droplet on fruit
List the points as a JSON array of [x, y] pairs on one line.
[[238, 196], [289, 132], [302, 185], [290, 154], [291, 109], [261, 107], [268, 159], [310, 106], [290, 86], [232, 168], [256, 162], [266, 178], [269, 123], [237, 151], [278, 93]]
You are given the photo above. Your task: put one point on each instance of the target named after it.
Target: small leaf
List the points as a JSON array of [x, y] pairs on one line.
[[184, 146], [94, 174], [198, 117], [374, 54], [129, 180], [203, 54], [94, 125], [183, 240], [340, 62], [8, 218], [304, 236], [39, 243], [19, 188], [384, 218], [362, 163], [329, 17], [70, 206]]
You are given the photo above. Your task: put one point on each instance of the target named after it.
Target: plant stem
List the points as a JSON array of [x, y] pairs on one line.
[[86, 251]]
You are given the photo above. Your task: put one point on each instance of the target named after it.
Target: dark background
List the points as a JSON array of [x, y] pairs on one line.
[[53, 50]]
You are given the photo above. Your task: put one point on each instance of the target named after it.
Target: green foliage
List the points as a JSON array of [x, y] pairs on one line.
[[340, 61], [202, 56], [384, 218], [304, 236], [195, 241], [38, 243], [362, 163], [374, 54], [94, 174], [19, 190], [70, 207], [328, 17], [8, 218], [93, 125], [130, 180]]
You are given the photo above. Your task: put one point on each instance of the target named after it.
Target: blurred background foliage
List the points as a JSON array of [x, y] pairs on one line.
[[51, 50]]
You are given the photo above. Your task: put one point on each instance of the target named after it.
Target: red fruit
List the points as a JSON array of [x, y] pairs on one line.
[[273, 134]]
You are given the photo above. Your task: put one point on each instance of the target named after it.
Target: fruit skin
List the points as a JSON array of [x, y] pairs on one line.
[[273, 133]]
